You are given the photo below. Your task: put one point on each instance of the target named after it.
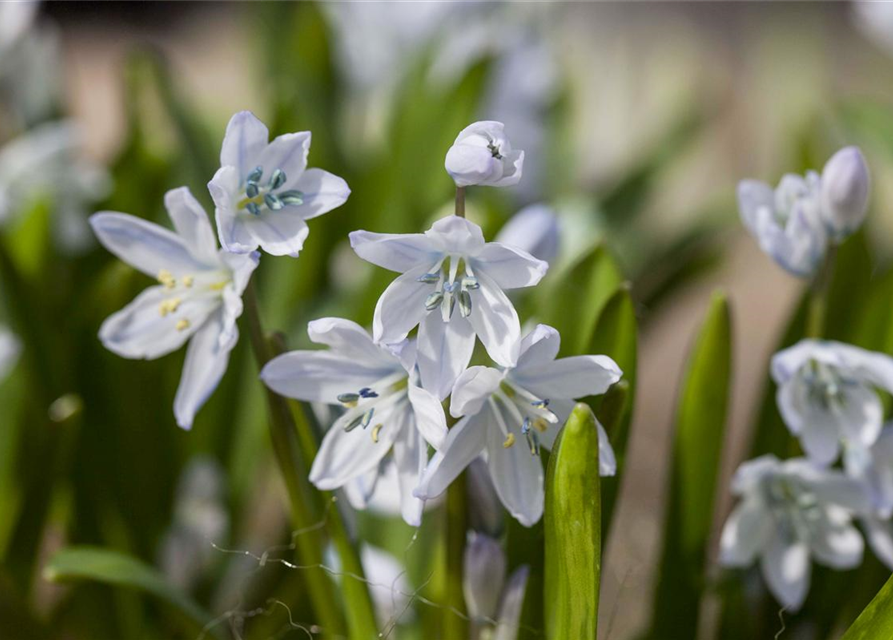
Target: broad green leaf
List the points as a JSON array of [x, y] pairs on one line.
[[114, 568], [700, 426], [876, 621], [573, 530], [574, 299]]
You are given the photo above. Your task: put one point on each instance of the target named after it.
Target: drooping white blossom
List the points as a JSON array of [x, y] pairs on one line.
[[827, 394], [510, 414], [198, 297], [789, 513], [387, 413], [534, 229], [10, 348], [264, 193], [493, 602], [452, 286], [482, 155]]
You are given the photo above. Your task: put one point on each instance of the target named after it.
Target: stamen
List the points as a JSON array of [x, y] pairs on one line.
[[525, 426], [251, 190], [349, 399], [448, 306], [429, 278], [367, 417], [274, 203], [464, 304], [375, 431], [277, 179], [366, 392], [540, 404], [253, 209], [187, 281], [533, 443], [166, 278], [182, 324], [291, 197], [433, 300], [169, 306], [540, 425], [470, 283], [509, 441], [255, 176]]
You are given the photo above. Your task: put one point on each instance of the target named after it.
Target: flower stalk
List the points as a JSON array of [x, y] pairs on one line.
[[454, 625], [460, 202], [818, 297]]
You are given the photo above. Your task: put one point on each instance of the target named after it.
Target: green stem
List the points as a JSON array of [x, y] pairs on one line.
[[455, 626], [460, 202], [818, 297], [293, 459]]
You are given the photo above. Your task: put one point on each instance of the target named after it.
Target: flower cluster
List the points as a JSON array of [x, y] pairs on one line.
[[451, 292], [829, 397]]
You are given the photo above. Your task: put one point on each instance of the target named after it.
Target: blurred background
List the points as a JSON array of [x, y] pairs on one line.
[[638, 120]]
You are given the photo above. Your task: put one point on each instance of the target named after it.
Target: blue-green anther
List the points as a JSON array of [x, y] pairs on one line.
[[428, 278], [464, 304], [533, 442], [255, 176], [348, 398], [277, 179], [367, 417], [292, 197], [253, 209], [433, 300], [251, 190], [353, 424], [274, 203], [471, 283]]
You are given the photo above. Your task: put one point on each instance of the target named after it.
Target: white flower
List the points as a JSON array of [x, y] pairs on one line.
[[874, 466], [263, 192], [386, 411], [533, 229], [10, 348], [446, 269], [198, 297], [845, 186], [786, 223], [791, 511], [509, 414], [488, 596], [482, 155], [827, 394]]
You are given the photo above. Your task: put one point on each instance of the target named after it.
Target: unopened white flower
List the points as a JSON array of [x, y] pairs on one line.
[[786, 222], [790, 512], [263, 192], [845, 186], [533, 229], [449, 269], [510, 414], [387, 412], [197, 298], [10, 348], [483, 575], [874, 466], [482, 155], [827, 394]]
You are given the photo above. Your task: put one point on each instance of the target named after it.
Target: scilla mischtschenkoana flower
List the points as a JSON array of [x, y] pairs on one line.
[[452, 286], [511, 413], [827, 395], [493, 602], [198, 297], [388, 417], [794, 223], [482, 155], [789, 512], [264, 193]]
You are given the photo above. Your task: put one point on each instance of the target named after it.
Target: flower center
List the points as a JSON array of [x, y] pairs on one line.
[[450, 286], [495, 149], [258, 196], [826, 385], [363, 405], [528, 412], [187, 288], [796, 508]]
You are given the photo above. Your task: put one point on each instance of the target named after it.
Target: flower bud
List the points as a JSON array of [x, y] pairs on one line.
[[844, 198], [484, 575], [534, 229], [482, 155]]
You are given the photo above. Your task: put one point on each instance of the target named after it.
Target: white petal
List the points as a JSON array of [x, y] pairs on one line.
[[880, 538], [322, 191], [820, 436], [518, 478], [509, 267], [787, 362], [834, 487], [360, 490], [465, 441], [836, 542], [279, 233], [512, 169], [750, 474], [444, 351], [786, 570], [534, 229], [430, 420], [791, 397], [509, 617], [607, 462], [861, 417], [453, 234], [472, 389], [745, 533], [345, 455], [205, 364], [232, 231], [288, 153], [484, 573], [495, 321], [538, 347], [401, 307], [144, 245], [241, 266], [871, 366], [139, 331], [319, 376], [245, 139], [410, 456], [398, 252], [349, 339], [754, 195], [574, 377], [192, 224], [470, 165]]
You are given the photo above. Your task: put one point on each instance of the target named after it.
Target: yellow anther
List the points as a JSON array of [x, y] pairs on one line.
[[218, 286], [540, 425], [187, 281], [509, 441], [169, 306], [350, 404], [375, 431], [182, 325], [166, 278]]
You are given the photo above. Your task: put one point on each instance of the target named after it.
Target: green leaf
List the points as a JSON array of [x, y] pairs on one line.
[[575, 298], [114, 568], [573, 530], [700, 422], [876, 621]]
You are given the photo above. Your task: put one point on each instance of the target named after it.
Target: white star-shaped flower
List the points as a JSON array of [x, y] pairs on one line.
[[264, 193], [451, 286], [510, 414], [198, 297], [482, 155], [387, 412]]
